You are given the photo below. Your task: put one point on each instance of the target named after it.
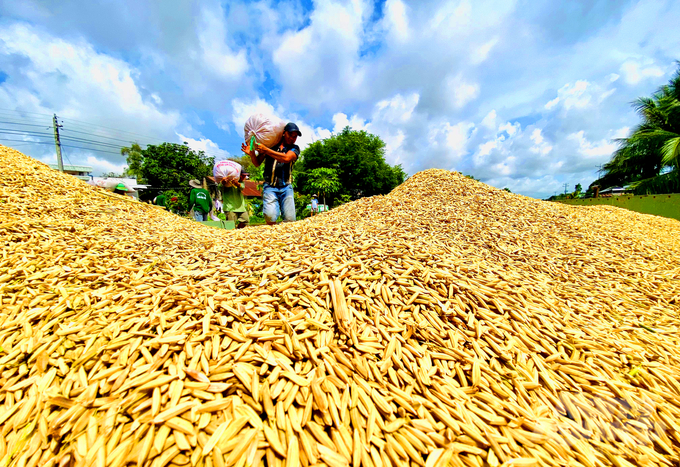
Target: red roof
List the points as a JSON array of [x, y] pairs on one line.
[[251, 188]]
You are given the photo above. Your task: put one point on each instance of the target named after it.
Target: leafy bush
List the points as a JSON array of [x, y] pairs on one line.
[[177, 202], [301, 202]]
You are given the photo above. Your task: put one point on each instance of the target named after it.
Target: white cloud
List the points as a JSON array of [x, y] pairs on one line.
[[573, 95], [396, 110], [552, 103], [510, 128], [103, 165], [600, 150], [540, 145], [320, 63], [635, 71], [452, 138], [452, 18], [396, 21], [206, 145], [605, 95], [486, 148], [481, 53], [461, 92], [490, 120], [340, 121], [216, 54], [621, 133]]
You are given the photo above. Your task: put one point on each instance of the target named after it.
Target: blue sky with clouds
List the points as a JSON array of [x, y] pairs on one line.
[[525, 95]]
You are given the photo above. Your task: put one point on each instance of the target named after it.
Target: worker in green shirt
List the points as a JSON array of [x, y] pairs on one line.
[[233, 201], [199, 201], [160, 200]]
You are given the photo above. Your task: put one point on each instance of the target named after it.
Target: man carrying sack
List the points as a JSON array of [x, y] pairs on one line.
[[277, 192], [199, 201]]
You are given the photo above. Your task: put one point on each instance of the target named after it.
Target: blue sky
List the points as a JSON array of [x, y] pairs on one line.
[[525, 95]]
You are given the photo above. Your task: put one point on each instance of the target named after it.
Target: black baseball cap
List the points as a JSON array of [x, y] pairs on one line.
[[292, 127]]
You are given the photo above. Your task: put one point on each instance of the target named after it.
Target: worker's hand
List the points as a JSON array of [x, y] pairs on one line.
[[261, 148], [245, 148]]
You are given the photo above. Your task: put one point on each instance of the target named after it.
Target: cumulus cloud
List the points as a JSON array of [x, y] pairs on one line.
[[396, 21], [460, 92], [320, 63], [635, 71], [216, 53], [206, 145], [572, 95]]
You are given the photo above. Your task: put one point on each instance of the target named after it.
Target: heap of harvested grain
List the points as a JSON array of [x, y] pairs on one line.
[[448, 323]]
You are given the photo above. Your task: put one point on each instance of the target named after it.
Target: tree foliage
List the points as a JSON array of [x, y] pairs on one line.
[[324, 181], [357, 157], [653, 146], [171, 166], [134, 158], [255, 173]]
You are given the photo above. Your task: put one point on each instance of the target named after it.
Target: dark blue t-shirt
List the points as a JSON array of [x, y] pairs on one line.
[[279, 174]]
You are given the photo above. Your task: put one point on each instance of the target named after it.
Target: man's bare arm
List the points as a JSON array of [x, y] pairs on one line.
[[289, 156]]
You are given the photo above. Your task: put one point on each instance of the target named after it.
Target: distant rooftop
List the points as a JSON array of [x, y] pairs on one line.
[[72, 168]]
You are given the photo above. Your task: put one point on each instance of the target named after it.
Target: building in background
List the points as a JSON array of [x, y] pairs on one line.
[[82, 172]]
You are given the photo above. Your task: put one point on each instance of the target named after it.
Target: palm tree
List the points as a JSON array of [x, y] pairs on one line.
[[652, 145], [660, 127]]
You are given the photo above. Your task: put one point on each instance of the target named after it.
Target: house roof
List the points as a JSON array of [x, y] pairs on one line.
[[72, 168], [251, 188]]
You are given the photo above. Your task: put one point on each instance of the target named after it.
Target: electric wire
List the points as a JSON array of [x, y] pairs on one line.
[[69, 125]]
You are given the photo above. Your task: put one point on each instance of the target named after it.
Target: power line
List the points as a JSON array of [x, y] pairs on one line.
[[99, 136], [63, 145], [23, 132], [23, 124], [95, 133]]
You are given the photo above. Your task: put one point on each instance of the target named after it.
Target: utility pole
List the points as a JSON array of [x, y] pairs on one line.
[[565, 188], [57, 143]]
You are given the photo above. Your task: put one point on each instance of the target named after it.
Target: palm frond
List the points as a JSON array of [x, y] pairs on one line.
[[671, 151]]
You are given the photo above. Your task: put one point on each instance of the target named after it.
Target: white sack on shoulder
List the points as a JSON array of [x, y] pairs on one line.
[[267, 130]]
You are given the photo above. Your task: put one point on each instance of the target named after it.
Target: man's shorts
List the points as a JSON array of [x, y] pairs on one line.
[[238, 217]]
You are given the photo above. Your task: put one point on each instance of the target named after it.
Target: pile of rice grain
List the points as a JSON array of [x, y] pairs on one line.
[[447, 323]]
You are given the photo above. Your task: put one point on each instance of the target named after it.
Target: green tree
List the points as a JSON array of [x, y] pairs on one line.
[[171, 166], [653, 146], [256, 173], [578, 188], [134, 159], [324, 181], [359, 160]]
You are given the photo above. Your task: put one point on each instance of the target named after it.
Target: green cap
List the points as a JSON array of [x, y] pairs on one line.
[[121, 187]]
